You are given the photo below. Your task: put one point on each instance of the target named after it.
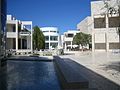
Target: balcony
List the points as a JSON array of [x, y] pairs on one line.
[[11, 34], [68, 38]]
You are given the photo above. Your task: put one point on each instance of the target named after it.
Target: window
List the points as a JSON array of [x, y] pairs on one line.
[[70, 35], [45, 31], [53, 45], [99, 23], [54, 38], [14, 28], [46, 38], [114, 22], [53, 31], [46, 45]]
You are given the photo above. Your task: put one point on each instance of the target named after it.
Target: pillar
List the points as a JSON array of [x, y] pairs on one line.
[[71, 44], [65, 46], [31, 39], [106, 36], [21, 42], [93, 35], [16, 35], [93, 41], [49, 42]]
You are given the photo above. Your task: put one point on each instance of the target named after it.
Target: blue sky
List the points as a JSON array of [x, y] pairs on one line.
[[64, 14]]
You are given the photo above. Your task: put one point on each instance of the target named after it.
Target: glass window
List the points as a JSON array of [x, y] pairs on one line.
[[45, 31], [70, 35], [99, 23], [46, 38], [46, 45], [54, 38], [53, 45], [53, 31], [114, 22]]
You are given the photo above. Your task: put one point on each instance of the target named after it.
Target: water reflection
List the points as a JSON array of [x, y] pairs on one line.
[[31, 75], [3, 75]]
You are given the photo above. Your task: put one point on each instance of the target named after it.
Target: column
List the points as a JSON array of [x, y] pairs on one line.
[[49, 40], [31, 39], [93, 35], [29, 42], [16, 35], [71, 44], [107, 28], [65, 46], [93, 41], [21, 42]]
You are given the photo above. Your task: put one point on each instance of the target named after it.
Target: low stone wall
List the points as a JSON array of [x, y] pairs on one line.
[[69, 78]]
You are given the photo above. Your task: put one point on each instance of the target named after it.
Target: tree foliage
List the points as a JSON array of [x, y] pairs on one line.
[[38, 38], [113, 8], [82, 39]]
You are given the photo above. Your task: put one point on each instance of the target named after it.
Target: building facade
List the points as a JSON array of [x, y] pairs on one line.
[[68, 39], [105, 36], [85, 25], [52, 39], [102, 26], [19, 35]]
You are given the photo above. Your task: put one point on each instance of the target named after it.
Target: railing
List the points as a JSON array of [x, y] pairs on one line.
[[24, 33]]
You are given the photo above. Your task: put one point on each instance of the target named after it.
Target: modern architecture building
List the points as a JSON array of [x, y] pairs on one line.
[[51, 37], [19, 35], [68, 39], [2, 28], [102, 26], [85, 25], [105, 34]]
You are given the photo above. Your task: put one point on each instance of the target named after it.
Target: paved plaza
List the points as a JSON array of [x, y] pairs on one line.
[[104, 64]]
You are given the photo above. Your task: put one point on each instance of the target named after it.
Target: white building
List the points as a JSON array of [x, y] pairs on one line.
[[104, 32], [103, 29], [19, 35], [52, 39], [68, 39], [85, 25]]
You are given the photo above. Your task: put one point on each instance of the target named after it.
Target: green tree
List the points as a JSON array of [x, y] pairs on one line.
[[38, 39], [82, 39]]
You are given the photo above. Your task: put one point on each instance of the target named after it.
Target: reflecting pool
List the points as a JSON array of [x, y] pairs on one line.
[[31, 75]]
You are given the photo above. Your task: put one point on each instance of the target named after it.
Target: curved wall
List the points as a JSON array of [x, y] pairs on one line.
[[51, 37]]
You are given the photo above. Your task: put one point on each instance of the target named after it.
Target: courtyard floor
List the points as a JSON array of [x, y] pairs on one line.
[[104, 64]]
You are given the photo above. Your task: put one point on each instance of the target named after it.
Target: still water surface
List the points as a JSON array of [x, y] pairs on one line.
[[31, 75]]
